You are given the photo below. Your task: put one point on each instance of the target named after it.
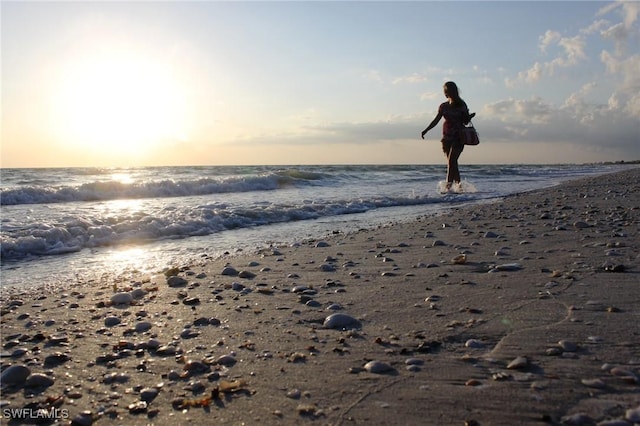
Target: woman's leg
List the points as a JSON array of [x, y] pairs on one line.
[[453, 173]]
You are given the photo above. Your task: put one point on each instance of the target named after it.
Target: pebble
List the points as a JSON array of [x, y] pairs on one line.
[[294, 394], [138, 293], [460, 259], [196, 367], [237, 286], [166, 350], [191, 301], [73, 394], [378, 367], [18, 353], [568, 346], [506, 267], [153, 343], [624, 374], [614, 422], [38, 380], [122, 298], [633, 415], [227, 360], [341, 321], [327, 267], [137, 407], [143, 326], [148, 394], [83, 419], [229, 271], [56, 359], [58, 339], [246, 275], [578, 419], [518, 363], [112, 321], [196, 386], [202, 321], [474, 344], [187, 333], [176, 281], [115, 378], [593, 383], [15, 375]]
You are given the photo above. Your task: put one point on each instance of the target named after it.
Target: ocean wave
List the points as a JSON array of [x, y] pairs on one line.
[[75, 233], [104, 190]]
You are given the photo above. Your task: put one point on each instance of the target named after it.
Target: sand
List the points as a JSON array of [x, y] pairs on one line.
[[522, 311]]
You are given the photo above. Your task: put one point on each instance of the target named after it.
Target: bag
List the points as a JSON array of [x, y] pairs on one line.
[[470, 135]]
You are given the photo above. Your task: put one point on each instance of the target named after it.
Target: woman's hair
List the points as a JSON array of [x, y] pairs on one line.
[[453, 93]]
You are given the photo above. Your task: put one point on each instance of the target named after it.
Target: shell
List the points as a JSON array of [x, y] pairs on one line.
[[15, 375], [341, 321], [378, 367], [39, 380]]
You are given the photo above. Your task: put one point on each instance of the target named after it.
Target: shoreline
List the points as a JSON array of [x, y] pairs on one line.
[[130, 242], [437, 313]]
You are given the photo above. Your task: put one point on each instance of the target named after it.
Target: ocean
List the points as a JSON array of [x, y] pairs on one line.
[[61, 226]]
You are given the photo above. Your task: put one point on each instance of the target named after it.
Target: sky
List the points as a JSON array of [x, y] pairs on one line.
[[120, 84]]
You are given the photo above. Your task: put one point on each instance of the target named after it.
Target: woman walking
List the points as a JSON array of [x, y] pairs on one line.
[[456, 115]]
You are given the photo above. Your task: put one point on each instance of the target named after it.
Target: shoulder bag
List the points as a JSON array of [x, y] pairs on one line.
[[470, 135]]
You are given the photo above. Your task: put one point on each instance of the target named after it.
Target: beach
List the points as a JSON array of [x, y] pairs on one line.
[[518, 311]]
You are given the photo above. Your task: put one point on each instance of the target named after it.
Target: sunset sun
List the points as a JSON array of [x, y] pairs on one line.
[[120, 104]]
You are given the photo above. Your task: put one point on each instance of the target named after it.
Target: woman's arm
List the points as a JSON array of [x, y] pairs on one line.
[[433, 124]]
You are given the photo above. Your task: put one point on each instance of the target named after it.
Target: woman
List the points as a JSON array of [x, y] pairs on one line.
[[456, 115]]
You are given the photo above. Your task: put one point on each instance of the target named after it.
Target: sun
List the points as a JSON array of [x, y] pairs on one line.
[[119, 103]]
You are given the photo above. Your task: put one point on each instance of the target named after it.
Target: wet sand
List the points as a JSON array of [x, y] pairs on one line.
[[522, 311]]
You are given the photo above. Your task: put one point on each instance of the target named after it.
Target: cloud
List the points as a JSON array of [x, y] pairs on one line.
[[629, 10], [525, 112], [412, 79], [571, 53], [591, 127], [548, 38], [627, 96], [428, 96], [623, 33], [619, 93], [394, 128], [373, 75]]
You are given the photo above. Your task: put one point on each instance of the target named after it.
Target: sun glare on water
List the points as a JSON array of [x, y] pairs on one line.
[[119, 104]]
